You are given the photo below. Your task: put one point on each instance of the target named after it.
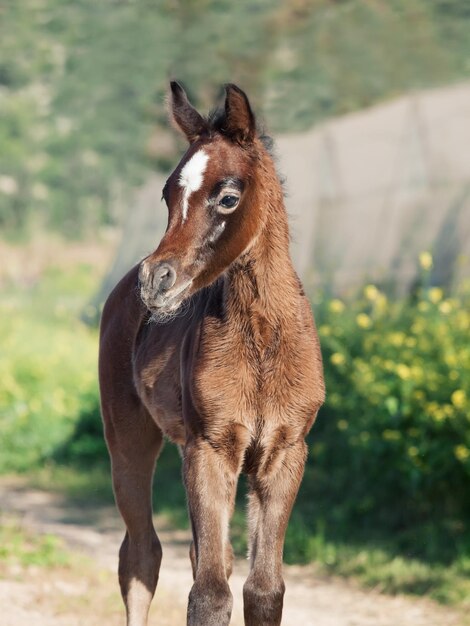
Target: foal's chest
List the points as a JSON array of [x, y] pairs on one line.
[[252, 377]]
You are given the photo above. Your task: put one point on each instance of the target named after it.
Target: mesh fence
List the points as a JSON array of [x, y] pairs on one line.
[[368, 192]]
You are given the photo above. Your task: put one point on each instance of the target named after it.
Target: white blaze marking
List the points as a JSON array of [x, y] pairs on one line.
[[191, 177]]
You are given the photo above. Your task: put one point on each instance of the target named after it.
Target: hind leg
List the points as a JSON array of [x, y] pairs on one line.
[[134, 444]]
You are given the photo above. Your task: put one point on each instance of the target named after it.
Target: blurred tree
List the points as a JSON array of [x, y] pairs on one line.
[[82, 83]]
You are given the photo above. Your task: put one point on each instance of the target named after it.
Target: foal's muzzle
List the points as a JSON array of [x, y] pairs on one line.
[[159, 289], [157, 278]]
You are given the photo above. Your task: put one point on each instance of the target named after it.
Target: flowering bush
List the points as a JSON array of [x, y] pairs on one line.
[[391, 448]]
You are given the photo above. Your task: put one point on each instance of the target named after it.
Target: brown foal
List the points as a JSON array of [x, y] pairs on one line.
[[210, 341]]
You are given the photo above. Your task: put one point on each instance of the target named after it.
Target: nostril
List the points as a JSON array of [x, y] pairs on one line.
[[165, 277]]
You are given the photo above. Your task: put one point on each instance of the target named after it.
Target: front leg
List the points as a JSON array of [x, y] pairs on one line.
[[273, 489], [210, 477]]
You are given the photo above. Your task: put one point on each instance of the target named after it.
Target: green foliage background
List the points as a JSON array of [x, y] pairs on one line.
[[47, 367], [82, 83], [394, 434]]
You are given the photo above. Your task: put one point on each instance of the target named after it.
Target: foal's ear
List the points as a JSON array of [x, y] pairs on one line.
[[240, 122], [184, 115]]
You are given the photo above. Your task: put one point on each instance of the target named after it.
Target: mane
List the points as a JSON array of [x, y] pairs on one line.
[[217, 123]]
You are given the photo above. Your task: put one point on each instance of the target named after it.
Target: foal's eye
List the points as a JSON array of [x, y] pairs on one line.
[[229, 202]]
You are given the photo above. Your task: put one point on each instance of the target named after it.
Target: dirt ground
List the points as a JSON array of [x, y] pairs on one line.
[[90, 594]]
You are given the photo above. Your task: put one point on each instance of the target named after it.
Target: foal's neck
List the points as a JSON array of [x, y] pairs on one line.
[[263, 280]]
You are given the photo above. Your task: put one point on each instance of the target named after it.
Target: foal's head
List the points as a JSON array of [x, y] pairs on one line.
[[214, 199]]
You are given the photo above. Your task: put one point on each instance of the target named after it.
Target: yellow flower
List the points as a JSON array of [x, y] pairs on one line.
[[381, 303], [448, 410], [417, 327], [336, 306], [337, 358], [325, 330], [417, 372], [425, 260], [451, 360], [363, 320], [445, 307], [435, 295], [403, 371], [436, 411], [391, 435], [371, 292], [397, 338], [423, 307], [461, 453], [459, 398], [413, 451], [463, 320]]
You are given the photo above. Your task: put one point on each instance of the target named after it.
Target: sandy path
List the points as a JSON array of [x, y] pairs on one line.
[[310, 599]]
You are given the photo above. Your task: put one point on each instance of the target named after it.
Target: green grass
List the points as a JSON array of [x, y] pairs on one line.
[[20, 547], [384, 570]]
